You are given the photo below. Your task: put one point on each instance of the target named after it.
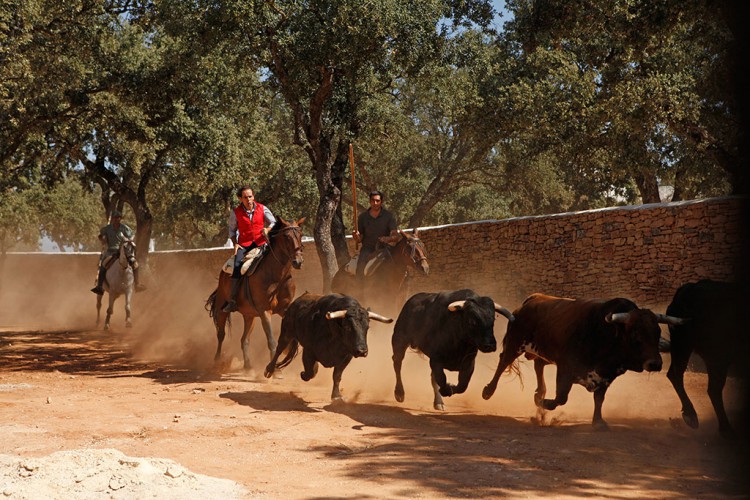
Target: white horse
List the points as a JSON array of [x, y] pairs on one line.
[[119, 280]]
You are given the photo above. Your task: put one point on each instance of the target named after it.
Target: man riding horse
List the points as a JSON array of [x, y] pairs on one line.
[[248, 224], [112, 235], [374, 226]]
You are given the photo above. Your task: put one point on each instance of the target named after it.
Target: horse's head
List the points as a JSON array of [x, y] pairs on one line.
[[413, 248], [286, 241], [127, 252]]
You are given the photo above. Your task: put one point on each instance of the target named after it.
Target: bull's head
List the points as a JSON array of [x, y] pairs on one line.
[[351, 325], [640, 334], [479, 320]]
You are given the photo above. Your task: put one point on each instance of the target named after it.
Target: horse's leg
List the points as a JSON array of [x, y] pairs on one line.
[[245, 342], [98, 309], [265, 321], [221, 321], [110, 309], [128, 297]]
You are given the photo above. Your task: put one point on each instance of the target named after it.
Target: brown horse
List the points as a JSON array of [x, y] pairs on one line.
[[386, 288], [270, 289]]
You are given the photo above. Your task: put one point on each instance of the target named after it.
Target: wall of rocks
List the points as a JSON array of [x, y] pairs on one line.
[[641, 252]]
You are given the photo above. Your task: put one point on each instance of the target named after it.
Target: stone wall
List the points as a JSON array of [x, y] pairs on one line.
[[641, 252]]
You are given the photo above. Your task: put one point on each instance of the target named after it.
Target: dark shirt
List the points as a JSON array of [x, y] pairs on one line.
[[371, 228]]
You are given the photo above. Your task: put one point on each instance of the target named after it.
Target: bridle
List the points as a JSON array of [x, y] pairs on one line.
[[297, 236], [127, 258], [414, 244]]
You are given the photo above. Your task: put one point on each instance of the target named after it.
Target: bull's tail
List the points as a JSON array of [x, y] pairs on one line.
[[291, 353]]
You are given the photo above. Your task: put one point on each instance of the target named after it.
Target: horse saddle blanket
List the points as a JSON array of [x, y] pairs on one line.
[[249, 262], [351, 266], [376, 261]]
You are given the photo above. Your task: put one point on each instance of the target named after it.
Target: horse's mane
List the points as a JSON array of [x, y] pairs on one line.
[[277, 226]]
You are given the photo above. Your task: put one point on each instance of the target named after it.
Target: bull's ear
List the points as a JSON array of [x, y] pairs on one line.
[[457, 305], [671, 320], [336, 314]]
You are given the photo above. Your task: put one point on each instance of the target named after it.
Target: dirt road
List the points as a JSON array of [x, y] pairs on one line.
[[151, 394]]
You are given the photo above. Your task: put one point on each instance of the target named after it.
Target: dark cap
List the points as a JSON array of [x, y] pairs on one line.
[[116, 213]]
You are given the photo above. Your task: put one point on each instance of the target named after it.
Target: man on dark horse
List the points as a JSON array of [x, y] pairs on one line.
[[249, 224], [376, 225], [111, 237]]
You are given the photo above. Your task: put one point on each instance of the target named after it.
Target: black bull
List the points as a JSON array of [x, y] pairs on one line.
[[592, 342], [711, 328], [332, 330], [449, 327]]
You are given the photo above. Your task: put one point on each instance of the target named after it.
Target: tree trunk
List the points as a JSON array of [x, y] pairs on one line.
[[647, 186]]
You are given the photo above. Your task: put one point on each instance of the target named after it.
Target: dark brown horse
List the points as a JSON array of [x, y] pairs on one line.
[[386, 287], [269, 290]]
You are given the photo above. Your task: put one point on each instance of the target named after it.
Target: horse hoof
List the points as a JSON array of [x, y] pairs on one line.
[[439, 407], [487, 392], [106, 328], [128, 325], [277, 375]]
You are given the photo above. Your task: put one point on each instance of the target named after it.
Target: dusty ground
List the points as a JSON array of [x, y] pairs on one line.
[[150, 392]]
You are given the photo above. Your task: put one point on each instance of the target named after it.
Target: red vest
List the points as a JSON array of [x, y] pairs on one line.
[[251, 230]]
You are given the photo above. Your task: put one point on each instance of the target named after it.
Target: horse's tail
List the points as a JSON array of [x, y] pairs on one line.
[[291, 353]]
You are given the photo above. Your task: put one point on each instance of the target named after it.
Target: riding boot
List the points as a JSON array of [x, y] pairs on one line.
[[231, 304], [99, 288], [138, 286]]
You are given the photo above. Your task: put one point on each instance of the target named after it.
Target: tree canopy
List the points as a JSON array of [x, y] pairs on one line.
[[166, 107]]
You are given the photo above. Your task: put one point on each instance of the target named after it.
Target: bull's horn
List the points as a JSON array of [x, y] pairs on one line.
[[378, 317], [500, 309], [336, 314], [455, 306], [617, 317], [670, 320]]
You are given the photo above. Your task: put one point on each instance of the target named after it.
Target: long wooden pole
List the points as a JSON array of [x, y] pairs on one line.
[[354, 185]]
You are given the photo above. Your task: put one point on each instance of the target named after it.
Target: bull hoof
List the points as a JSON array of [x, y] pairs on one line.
[[304, 376], [106, 328], [691, 419], [447, 390], [399, 396], [600, 425], [128, 324], [488, 391], [268, 371], [548, 404]]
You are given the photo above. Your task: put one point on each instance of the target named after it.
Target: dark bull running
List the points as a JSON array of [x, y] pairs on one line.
[[332, 330], [592, 342], [449, 327], [711, 328]]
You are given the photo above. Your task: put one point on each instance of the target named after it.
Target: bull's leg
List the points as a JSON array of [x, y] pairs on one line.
[[438, 375], [675, 375], [507, 357], [280, 348], [541, 387], [437, 403], [245, 341], [464, 376], [564, 382], [399, 350], [309, 364], [717, 378], [338, 370], [598, 422]]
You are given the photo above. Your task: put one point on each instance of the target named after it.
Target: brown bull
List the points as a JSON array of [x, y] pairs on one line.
[[592, 342]]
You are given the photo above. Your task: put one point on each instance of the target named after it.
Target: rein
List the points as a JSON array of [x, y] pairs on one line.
[[296, 248]]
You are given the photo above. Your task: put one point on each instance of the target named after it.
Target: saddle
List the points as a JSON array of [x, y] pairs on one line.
[[249, 262]]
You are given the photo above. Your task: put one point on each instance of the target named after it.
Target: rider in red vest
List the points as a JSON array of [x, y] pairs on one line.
[[248, 225]]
